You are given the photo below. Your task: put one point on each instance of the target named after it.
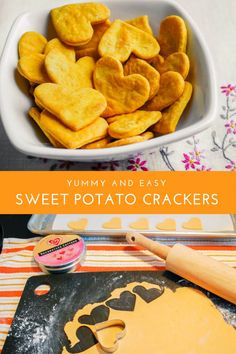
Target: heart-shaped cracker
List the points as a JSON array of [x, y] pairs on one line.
[[171, 88], [114, 223], [80, 224], [178, 62], [55, 43], [73, 23], [31, 43], [171, 116], [91, 48], [124, 94], [122, 39], [193, 224], [132, 124], [33, 69], [132, 140], [70, 139], [63, 71], [140, 224], [139, 66], [141, 22], [75, 109], [108, 334], [167, 225], [172, 35], [35, 114]]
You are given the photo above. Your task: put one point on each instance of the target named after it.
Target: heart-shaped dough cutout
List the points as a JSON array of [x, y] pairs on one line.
[[75, 110], [148, 295], [73, 23], [178, 62], [114, 223], [124, 94], [97, 315], [63, 71], [122, 39], [78, 225], [33, 69], [125, 302], [140, 224], [31, 43], [73, 140], [171, 88], [139, 66], [172, 35], [167, 225], [65, 49], [193, 224], [108, 334]]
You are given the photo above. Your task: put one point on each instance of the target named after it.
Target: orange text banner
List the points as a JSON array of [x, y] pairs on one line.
[[117, 192]]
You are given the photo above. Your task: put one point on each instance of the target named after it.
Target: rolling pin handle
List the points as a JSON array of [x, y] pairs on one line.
[[157, 248]]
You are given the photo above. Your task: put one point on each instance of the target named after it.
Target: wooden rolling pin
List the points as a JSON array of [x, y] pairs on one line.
[[193, 266]]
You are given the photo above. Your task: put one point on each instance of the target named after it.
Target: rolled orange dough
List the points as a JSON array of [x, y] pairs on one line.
[[183, 321]]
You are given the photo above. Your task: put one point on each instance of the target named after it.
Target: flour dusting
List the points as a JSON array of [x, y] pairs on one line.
[[33, 337]]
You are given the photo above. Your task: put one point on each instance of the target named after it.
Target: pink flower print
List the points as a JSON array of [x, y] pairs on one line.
[[137, 164], [231, 166], [197, 154], [190, 162], [227, 90], [231, 127]]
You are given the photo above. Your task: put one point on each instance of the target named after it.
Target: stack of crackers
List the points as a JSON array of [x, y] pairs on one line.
[[102, 84]]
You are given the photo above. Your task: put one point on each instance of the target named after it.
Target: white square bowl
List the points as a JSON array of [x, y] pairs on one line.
[[15, 102]]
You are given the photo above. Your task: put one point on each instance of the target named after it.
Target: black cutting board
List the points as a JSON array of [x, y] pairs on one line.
[[38, 326]]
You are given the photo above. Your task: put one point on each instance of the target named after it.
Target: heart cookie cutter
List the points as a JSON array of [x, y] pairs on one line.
[[111, 344]]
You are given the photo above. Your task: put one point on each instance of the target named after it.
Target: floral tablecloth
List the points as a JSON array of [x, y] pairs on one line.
[[214, 149]]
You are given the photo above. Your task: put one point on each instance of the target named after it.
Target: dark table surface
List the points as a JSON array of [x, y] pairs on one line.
[[14, 226]]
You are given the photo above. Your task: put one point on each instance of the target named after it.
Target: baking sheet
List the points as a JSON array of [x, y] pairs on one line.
[[214, 226]]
